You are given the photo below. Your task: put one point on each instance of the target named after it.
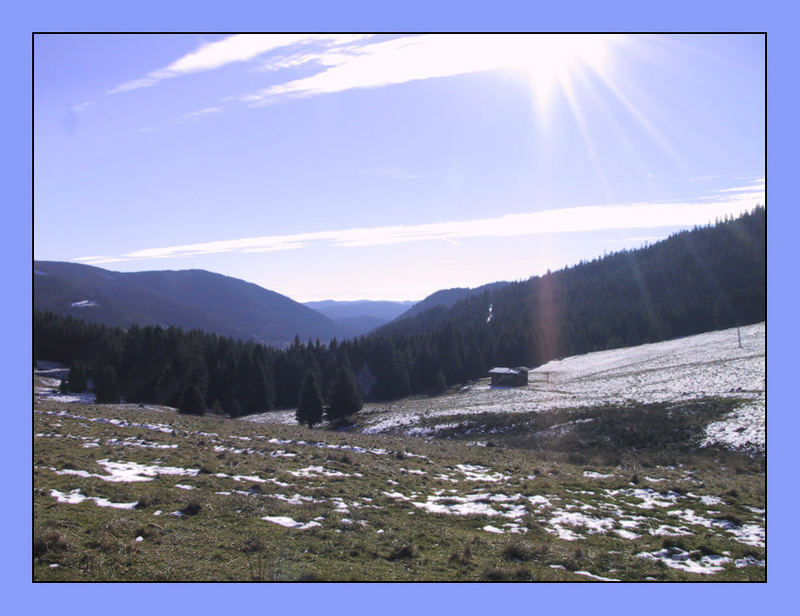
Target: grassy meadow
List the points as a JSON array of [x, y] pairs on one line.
[[123, 492]]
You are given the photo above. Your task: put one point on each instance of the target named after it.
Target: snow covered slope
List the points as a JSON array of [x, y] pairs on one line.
[[710, 364]]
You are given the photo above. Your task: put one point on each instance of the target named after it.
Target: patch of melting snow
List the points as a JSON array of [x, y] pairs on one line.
[[254, 478], [339, 505], [749, 534], [122, 423], [73, 398], [129, 471], [297, 499], [316, 471], [665, 530], [75, 497], [595, 577], [596, 475], [540, 501], [290, 523], [561, 519], [650, 498], [399, 496], [446, 477], [626, 534], [430, 430], [280, 441], [681, 559], [473, 504], [280, 453], [134, 442], [392, 422], [749, 561], [493, 529], [221, 448], [184, 486], [474, 472], [743, 428]]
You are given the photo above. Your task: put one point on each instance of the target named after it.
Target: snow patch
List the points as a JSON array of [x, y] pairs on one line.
[[75, 497], [290, 523]]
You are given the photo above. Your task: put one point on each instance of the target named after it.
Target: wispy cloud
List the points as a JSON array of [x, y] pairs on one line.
[[416, 57], [81, 107], [201, 112], [755, 186], [186, 117], [236, 48], [568, 220]]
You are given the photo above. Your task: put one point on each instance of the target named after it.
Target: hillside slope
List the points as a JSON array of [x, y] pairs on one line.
[[695, 281], [189, 299], [446, 298]]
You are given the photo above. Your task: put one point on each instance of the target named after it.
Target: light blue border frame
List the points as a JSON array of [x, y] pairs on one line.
[[591, 599]]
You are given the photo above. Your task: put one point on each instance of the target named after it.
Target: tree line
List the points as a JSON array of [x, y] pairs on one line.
[[700, 280]]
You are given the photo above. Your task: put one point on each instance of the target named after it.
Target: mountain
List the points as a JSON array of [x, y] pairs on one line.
[[191, 299], [361, 316], [383, 310]]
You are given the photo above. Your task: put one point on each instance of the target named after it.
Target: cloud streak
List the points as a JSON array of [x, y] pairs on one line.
[[568, 220], [236, 48], [411, 58]]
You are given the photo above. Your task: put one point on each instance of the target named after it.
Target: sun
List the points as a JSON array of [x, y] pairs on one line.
[[550, 62]]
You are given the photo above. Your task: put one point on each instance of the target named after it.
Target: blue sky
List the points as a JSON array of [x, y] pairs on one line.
[[387, 167]]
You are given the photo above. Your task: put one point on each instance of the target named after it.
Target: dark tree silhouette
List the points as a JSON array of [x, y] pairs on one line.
[[345, 397], [310, 405]]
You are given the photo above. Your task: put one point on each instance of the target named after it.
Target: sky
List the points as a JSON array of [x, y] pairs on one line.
[[357, 166]]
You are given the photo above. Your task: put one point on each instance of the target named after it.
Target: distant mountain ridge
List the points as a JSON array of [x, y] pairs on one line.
[[360, 316], [190, 299]]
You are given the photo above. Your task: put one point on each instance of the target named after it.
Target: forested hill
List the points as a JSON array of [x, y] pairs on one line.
[[190, 299], [695, 281], [445, 298]]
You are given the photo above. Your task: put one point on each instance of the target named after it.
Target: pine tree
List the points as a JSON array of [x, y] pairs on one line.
[[345, 397], [310, 405], [192, 401], [77, 377], [106, 386], [441, 383]]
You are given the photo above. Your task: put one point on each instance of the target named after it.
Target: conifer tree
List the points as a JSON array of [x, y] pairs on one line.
[[310, 406], [192, 401], [106, 385], [76, 381], [345, 397]]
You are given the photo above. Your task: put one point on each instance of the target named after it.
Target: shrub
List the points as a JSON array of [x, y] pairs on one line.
[[49, 541], [406, 550]]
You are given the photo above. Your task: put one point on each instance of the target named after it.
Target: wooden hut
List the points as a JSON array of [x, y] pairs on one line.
[[509, 377]]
